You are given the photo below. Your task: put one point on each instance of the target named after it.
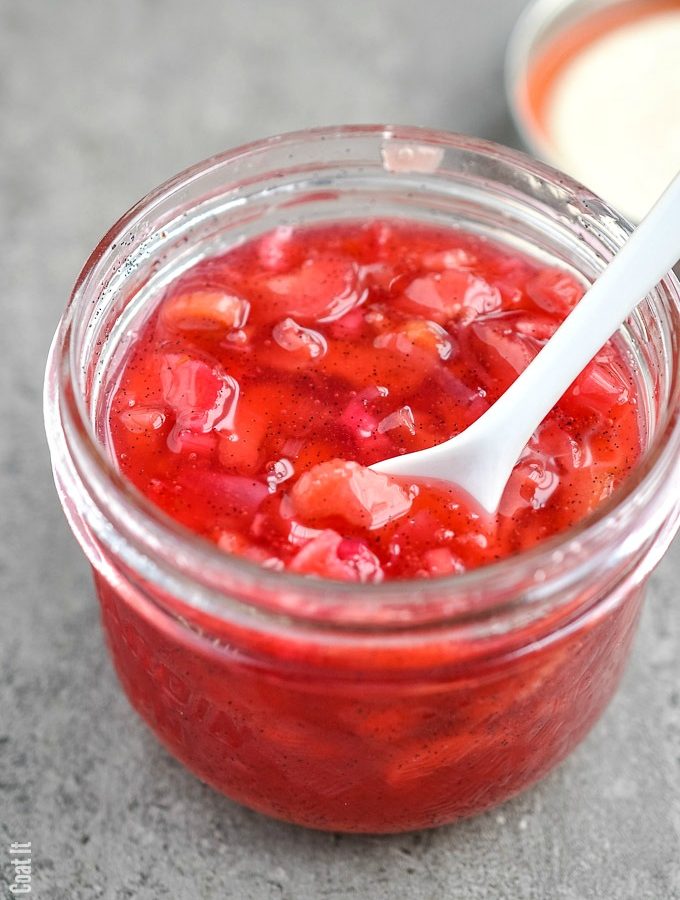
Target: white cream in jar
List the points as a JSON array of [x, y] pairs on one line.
[[607, 106]]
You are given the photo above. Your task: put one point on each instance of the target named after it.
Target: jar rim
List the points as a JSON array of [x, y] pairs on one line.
[[298, 596]]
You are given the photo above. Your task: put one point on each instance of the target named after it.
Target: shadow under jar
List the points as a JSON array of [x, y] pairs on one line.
[[366, 708]]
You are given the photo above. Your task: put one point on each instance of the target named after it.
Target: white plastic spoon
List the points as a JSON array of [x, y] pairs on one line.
[[480, 459]]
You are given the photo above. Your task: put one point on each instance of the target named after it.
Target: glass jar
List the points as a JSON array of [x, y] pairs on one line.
[[374, 708]]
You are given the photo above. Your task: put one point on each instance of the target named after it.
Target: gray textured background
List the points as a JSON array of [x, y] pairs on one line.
[[99, 103]]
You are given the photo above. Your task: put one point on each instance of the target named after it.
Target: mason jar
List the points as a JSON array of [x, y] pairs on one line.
[[359, 707]]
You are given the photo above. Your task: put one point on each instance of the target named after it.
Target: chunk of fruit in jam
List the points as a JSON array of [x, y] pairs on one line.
[[345, 490], [211, 310], [269, 379], [332, 556]]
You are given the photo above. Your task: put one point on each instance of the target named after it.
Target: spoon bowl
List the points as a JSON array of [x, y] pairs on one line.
[[480, 459]]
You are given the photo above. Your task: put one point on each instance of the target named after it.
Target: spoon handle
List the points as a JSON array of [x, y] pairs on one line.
[[649, 253]]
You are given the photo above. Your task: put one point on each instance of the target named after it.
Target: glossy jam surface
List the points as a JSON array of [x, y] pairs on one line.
[[268, 379]]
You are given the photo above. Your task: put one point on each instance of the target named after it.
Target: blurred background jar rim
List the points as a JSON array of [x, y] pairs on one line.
[[594, 89]]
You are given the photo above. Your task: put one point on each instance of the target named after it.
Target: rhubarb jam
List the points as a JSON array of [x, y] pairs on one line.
[[268, 379], [324, 644]]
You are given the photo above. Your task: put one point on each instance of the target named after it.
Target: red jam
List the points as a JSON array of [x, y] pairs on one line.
[[248, 409], [269, 378]]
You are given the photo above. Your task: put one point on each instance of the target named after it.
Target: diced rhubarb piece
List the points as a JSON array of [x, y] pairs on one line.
[[556, 443], [323, 289], [453, 293], [357, 419], [329, 555], [184, 440], [468, 403], [533, 481], [441, 561], [539, 326], [202, 397], [425, 292], [196, 392], [510, 275], [400, 418], [601, 386], [555, 291], [419, 334], [503, 350], [298, 340], [356, 556], [142, 419], [206, 310], [481, 297], [361, 418], [344, 489]]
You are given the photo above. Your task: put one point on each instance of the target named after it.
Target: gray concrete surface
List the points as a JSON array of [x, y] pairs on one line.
[[99, 103]]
